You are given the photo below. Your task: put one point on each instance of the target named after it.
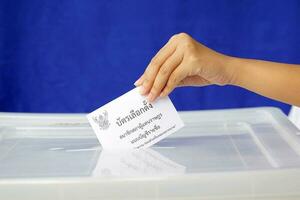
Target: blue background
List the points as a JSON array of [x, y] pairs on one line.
[[74, 56]]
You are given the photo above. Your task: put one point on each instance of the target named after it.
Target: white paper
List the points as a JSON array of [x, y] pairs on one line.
[[130, 121]]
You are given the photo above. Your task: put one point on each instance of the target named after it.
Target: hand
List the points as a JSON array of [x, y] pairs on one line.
[[183, 62]]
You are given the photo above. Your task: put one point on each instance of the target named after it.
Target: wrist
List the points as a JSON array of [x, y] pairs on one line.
[[233, 69]]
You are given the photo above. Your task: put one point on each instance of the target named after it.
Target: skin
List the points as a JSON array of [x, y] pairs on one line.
[[185, 62]]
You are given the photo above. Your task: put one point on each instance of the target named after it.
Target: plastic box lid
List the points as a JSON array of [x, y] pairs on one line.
[[223, 154]]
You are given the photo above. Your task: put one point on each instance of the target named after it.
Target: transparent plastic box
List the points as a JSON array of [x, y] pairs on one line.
[[222, 154]]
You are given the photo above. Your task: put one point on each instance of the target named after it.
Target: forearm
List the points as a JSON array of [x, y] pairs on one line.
[[274, 80]]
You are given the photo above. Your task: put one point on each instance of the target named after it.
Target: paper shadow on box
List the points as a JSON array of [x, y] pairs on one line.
[[137, 162]]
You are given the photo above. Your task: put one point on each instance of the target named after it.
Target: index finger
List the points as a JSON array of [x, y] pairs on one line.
[[156, 62]]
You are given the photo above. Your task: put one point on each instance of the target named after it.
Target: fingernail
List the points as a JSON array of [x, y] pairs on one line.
[[137, 82], [150, 97]]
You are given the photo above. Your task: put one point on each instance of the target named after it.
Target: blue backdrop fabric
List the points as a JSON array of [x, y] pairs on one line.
[[76, 55]]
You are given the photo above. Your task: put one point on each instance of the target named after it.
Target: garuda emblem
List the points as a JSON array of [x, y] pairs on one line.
[[102, 120]]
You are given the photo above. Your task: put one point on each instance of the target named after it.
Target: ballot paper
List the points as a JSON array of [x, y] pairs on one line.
[[131, 122]]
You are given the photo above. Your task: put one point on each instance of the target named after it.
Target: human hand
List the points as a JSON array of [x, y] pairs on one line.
[[183, 62]]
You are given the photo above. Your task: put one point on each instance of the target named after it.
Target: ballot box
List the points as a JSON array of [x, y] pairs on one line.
[[222, 154]]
